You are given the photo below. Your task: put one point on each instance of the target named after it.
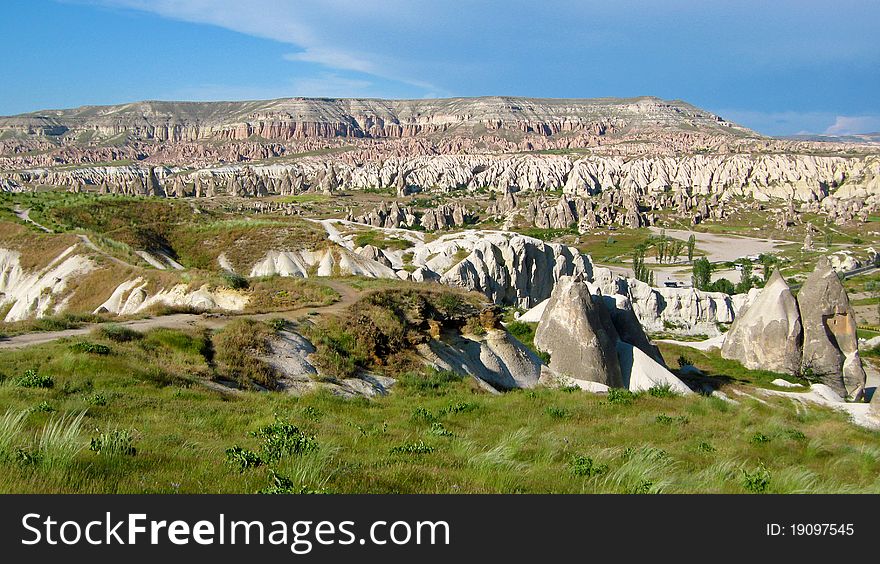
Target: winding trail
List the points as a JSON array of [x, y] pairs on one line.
[[211, 321], [25, 215]]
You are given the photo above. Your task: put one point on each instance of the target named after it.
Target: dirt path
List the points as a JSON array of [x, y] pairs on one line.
[[25, 215], [212, 321]]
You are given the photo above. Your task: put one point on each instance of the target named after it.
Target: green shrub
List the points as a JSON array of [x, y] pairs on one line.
[[31, 379], [458, 407], [412, 448], [242, 458], [584, 466], [705, 447], [234, 280], [667, 420], [119, 333], [663, 391], [438, 429], [91, 348], [758, 480], [43, 407], [620, 396], [282, 438], [97, 399], [430, 382], [119, 442], [422, 415], [558, 412], [279, 484], [684, 361], [759, 438], [239, 347]]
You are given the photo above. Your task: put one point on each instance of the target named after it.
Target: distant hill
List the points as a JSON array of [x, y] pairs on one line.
[[854, 138], [299, 118]]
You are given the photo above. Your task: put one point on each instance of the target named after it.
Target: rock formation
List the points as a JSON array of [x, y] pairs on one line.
[[830, 349], [577, 332], [768, 334]]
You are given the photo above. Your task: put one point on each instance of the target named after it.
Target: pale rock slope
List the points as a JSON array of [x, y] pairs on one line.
[[134, 296], [40, 292]]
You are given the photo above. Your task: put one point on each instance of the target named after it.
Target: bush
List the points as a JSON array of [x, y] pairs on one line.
[[239, 346], [663, 391], [620, 396], [31, 379], [473, 327], [91, 348], [97, 399], [584, 466], [119, 333], [438, 429], [242, 458], [759, 438], [119, 442], [430, 382], [758, 480], [43, 407], [282, 438], [684, 361], [412, 448], [234, 280], [668, 420], [280, 484], [458, 407], [558, 412]]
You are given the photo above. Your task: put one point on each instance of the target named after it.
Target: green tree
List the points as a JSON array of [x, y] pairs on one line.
[[768, 262], [640, 271], [746, 282], [723, 285], [702, 274], [691, 246]]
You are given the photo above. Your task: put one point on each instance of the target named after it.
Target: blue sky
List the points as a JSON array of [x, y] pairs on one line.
[[780, 66]]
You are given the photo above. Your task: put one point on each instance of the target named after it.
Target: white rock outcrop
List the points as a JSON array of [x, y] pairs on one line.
[[40, 292]]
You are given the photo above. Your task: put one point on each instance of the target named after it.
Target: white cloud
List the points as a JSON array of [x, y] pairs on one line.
[[303, 24], [849, 125]]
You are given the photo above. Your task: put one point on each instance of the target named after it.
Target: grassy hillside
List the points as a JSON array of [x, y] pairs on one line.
[[122, 412]]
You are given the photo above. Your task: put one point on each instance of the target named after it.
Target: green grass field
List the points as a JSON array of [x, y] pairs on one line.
[[136, 416]]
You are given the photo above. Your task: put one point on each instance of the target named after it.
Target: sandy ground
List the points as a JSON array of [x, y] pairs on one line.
[[723, 248]]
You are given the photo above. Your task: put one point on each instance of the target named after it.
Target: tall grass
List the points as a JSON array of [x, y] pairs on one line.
[[647, 470], [11, 426], [60, 440]]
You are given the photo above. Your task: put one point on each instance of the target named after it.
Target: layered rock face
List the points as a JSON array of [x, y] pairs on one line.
[[299, 118], [830, 348], [767, 335], [578, 333]]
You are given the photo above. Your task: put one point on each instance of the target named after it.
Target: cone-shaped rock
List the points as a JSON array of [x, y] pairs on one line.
[[768, 334], [576, 330], [831, 350]]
